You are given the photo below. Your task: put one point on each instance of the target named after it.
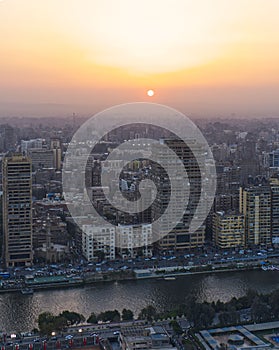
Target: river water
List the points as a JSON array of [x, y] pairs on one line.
[[20, 312]]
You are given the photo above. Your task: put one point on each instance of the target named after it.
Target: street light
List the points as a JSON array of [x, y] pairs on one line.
[[53, 334], [80, 330]]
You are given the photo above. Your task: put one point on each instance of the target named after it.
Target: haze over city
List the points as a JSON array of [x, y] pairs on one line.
[[208, 58]]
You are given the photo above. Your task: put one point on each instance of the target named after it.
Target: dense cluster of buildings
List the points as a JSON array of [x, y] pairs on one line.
[[36, 225]]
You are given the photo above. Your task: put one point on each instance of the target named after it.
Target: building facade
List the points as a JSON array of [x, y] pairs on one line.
[[255, 205], [228, 230], [274, 188], [98, 242], [180, 237], [17, 211], [134, 240]]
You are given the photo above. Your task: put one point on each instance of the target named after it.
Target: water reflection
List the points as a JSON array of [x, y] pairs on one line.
[[20, 312]]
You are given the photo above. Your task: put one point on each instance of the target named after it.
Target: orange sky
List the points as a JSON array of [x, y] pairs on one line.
[[201, 56]]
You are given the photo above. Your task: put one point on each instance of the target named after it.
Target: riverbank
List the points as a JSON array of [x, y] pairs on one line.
[[20, 312], [128, 276]]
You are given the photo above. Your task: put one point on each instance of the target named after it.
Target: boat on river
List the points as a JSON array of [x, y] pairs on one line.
[[27, 291]]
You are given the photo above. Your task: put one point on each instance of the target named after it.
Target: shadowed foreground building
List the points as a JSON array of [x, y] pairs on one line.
[[17, 211], [192, 155]]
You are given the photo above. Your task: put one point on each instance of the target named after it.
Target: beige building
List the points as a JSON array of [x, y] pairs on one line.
[[228, 230], [55, 146], [255, 205], [17, 210]]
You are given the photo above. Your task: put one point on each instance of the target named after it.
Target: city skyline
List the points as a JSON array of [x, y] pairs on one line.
[[202, 58]]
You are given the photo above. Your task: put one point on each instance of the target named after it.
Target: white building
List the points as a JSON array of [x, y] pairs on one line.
[[96, 239], [26, 145], [133, 240]]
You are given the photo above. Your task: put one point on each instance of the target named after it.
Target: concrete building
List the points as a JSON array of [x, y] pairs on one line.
[[26, 145], [17, 211], [97, 241], [41, 158], [255, 205], [49, 251], [274, 187], [273, 159], [180, 238], [134, 240], [144, 338], [55, 146], [228, 230]]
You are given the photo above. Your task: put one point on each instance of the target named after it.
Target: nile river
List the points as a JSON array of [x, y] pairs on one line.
[[19, 312]]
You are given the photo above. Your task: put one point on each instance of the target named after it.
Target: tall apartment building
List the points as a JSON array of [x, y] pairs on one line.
[[273, 159], [134, 240], [55, 146], [17, 210], [255, 205], [274, 187], [180, 237], [228, 230], [98, 240]]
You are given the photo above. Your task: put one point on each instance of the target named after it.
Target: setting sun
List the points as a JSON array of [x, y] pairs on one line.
[[61, 51], [150, 93]]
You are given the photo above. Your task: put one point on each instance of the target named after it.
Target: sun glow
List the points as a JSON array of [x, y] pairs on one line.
[[151, 36]]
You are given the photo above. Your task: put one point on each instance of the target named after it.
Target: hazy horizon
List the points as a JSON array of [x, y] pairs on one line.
[[204, 58]]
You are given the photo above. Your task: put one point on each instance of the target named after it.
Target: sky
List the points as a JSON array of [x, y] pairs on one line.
[[203, 57]]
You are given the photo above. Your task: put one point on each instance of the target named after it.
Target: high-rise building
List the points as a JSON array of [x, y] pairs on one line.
[[273, 158], [180, 237], [55, 146], [17, 210], [255, 205], [274, 187], [228, 230]]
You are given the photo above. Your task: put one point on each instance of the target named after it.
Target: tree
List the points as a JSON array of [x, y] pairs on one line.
[[45, 323], [109, 316], [260, 310], [274, 303], [199, 314], [127, 315], [48, 323], [72, 317], [219, 306], [100, 255], [148, 313], [92, 318], [229, 318], [176, 327]]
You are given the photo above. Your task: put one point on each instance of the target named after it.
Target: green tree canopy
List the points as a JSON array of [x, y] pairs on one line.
[[92, 318], [148, 313], [72, 317], [127, 315]]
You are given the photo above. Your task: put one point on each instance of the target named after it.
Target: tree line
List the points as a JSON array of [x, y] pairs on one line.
[[261, 307]]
